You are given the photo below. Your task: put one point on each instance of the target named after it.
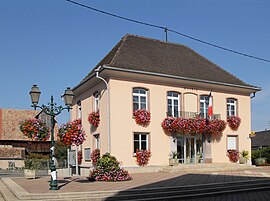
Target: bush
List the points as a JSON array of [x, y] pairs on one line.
[[259, 161], [263, 153], [60, 151], [36, 161], [108, 169]]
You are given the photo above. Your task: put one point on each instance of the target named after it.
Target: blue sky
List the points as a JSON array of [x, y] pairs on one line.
[[55, 44]]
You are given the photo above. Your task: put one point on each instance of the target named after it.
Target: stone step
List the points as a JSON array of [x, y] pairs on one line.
[[191, 168], [193, 191]]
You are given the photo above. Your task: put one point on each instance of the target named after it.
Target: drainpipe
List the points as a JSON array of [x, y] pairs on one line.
[[108, 107]]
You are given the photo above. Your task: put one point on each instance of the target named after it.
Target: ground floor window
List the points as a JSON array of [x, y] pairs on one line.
[[231, 142], [87, 154], [140, 141]]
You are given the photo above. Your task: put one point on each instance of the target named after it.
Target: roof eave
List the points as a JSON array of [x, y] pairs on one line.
[[253, 88]]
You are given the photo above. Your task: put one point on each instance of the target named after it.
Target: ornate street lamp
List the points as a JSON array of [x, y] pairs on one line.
[[52, 110]]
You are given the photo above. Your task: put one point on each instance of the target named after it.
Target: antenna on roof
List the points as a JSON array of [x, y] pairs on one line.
[[166, 33]]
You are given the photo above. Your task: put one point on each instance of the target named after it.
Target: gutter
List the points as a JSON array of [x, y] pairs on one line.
[[97, 71]]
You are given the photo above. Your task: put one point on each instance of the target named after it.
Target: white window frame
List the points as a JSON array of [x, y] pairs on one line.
[[231, 142], [140, 140], [204, 99], [231, 102], [170, 96], [87, 154], [140, 95]]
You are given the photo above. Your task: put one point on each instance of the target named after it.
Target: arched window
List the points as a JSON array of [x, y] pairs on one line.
[[173, 104], [139, 99], [231, 107]]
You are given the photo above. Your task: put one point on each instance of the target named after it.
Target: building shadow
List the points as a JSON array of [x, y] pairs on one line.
[[193, 184]]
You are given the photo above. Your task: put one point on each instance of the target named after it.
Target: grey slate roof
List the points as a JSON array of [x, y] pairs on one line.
[[150, 55], [262, 138]]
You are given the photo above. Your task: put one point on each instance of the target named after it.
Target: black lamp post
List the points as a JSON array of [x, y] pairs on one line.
[[52, 110]]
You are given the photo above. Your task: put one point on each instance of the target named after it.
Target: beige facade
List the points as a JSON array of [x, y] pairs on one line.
[[166, 79], [123, 126]]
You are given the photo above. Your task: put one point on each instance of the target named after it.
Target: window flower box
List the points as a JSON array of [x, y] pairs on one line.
[[142, 117], [94, 119], [234, 122]]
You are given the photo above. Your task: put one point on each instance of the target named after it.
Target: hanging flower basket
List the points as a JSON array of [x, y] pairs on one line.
[[72, 133], [142, 157], [94, 119], [234, 122], [35, 129], [233, 155], [142, 117]]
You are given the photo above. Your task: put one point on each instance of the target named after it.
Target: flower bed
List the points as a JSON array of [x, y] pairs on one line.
[[35, 129], [108, 169], [94, 119], [142, 157], [234, 122], [142, 117], [72, 133]]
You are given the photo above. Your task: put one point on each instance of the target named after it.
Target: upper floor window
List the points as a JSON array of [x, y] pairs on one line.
[[139, 99], [204, 104], [173, 101], [96, 101], [231, 107], [79, 109]]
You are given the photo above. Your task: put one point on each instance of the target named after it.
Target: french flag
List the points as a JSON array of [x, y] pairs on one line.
[[210, 106]]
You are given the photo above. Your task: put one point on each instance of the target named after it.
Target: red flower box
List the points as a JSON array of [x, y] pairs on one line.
[[142, 157], [197, 125], [233, 155], [142, 117], [94, 118], [234, 122]]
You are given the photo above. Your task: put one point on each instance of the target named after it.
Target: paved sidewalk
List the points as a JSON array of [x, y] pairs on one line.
[[22, 187]]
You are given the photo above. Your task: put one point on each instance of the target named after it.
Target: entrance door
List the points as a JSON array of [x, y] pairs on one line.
[[189, 148]]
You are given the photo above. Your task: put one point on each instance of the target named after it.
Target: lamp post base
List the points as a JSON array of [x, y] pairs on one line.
[[54, 185]]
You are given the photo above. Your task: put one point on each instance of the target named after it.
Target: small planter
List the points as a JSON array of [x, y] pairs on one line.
[[29, 174], [243, 160], [173, 161]]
